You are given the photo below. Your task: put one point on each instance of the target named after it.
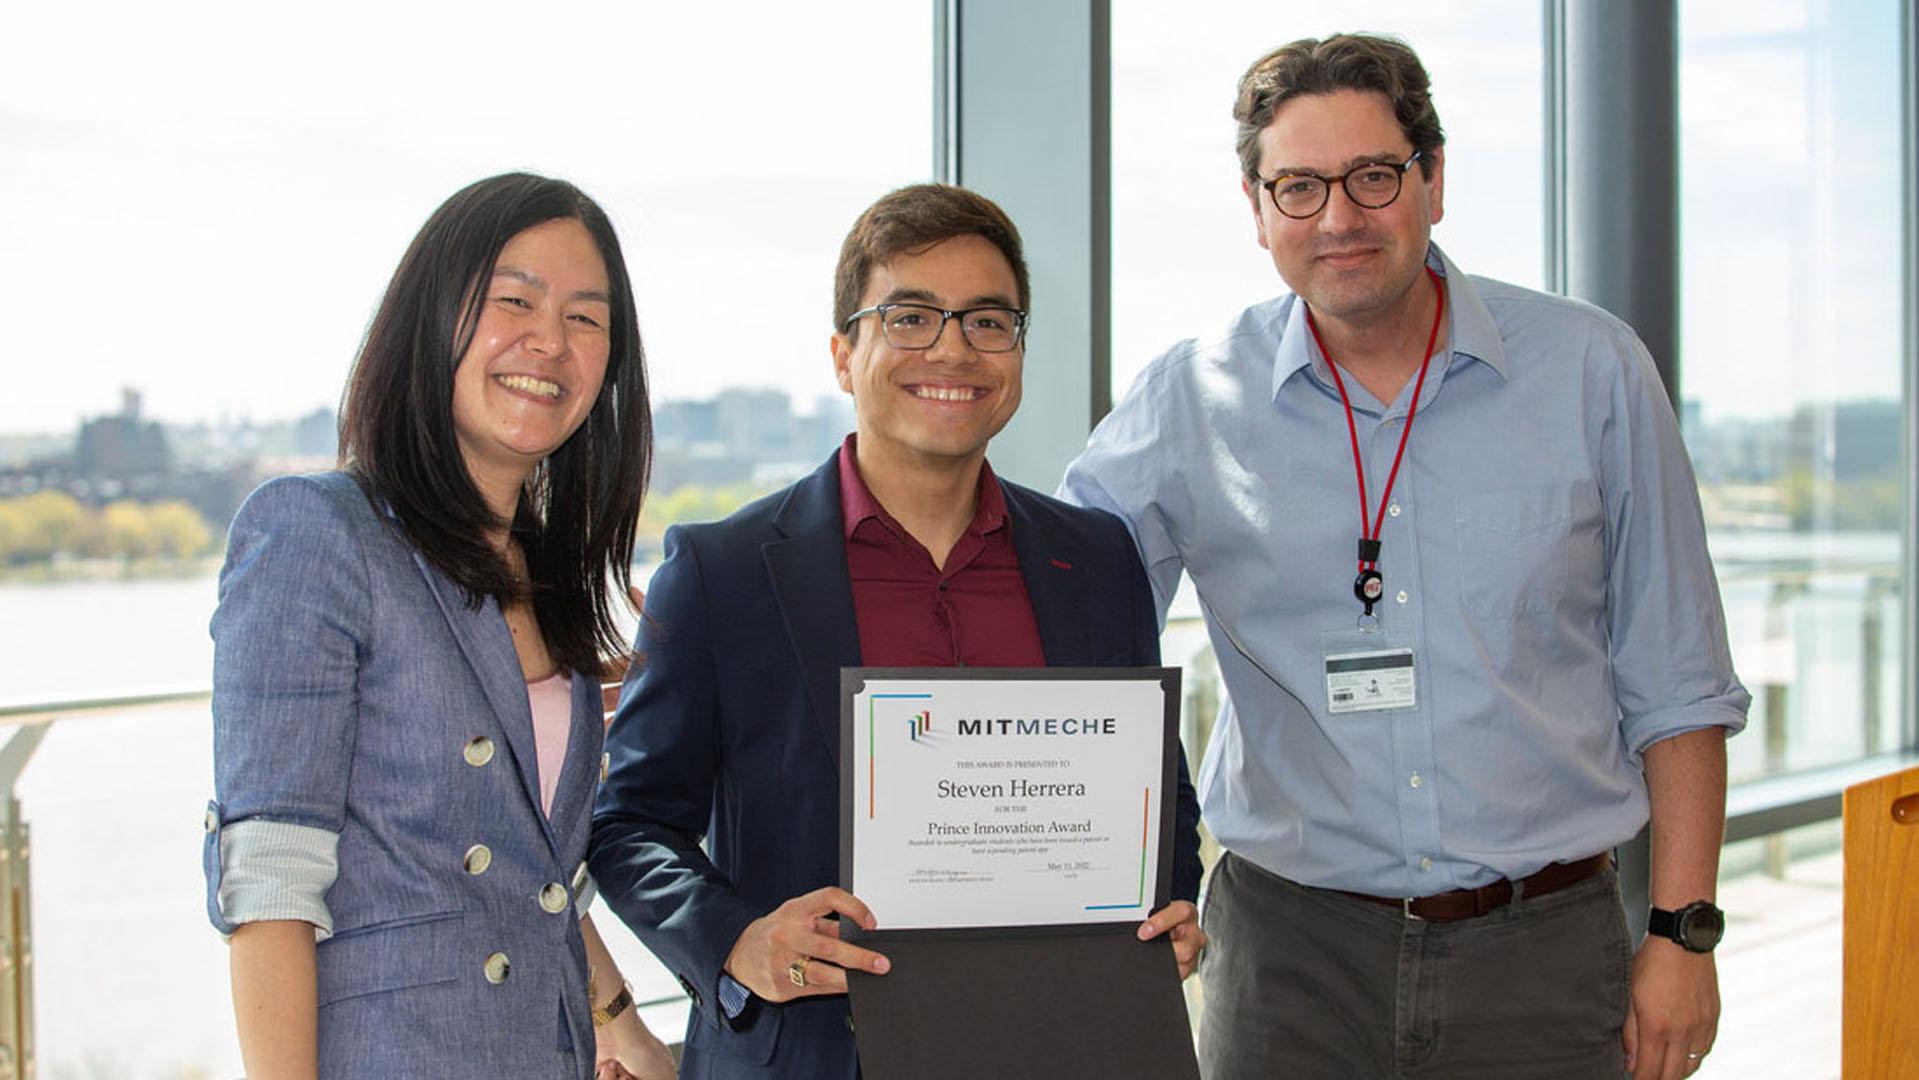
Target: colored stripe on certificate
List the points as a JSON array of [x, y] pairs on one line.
[[1145, 825], [872, 757]]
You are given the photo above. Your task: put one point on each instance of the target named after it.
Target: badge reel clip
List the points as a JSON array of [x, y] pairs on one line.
[[1370, 585]]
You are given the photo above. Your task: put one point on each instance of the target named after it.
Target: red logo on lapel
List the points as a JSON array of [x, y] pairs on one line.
[[1061, 565]]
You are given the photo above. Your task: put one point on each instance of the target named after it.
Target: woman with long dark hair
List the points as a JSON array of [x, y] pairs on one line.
[[407, 718]]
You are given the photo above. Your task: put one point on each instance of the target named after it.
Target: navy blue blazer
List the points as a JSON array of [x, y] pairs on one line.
[[728, 737]]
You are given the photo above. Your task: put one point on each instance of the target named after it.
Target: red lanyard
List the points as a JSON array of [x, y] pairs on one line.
[[1370, 585]]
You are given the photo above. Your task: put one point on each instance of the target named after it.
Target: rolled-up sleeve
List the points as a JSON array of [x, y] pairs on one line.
[[1672, 665], [289, 631], [275, 870]]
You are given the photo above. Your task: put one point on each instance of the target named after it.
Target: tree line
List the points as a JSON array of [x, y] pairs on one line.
[[52, 524]]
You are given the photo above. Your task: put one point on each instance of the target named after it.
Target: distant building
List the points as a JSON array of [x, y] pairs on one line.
[[686, 423], [122, 456], [317, 435], [209, 466], [744, 436]]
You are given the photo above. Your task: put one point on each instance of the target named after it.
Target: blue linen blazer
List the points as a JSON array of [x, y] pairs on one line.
[[350, 679], [728, 735]]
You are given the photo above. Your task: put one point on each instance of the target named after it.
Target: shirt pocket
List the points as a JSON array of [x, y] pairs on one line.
[[396, 955], [1513, 550]]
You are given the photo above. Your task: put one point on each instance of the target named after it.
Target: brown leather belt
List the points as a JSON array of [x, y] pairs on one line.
[[1472, 903]]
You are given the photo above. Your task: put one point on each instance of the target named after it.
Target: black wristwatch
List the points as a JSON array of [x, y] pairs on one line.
[[1697, 927]]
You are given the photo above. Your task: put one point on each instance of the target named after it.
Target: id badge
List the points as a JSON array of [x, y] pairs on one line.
[[1367, 672]]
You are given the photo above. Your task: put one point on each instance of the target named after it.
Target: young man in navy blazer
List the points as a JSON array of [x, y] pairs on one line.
[[716, 836]]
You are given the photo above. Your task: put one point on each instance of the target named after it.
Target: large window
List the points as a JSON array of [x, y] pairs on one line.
[[1791, 370], [200, 209]]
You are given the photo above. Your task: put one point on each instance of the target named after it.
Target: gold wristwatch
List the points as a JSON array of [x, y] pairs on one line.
[[604, 1014]]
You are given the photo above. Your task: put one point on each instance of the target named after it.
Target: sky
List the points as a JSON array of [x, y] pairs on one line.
[[205, 201]]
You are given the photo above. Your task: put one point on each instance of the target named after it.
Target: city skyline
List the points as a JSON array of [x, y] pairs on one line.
[[805, 403]]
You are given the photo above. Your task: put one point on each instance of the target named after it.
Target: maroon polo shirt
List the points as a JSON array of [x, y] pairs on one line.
[[974, 612]]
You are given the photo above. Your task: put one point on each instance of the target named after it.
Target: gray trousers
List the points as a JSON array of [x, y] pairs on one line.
[[1303, 982]]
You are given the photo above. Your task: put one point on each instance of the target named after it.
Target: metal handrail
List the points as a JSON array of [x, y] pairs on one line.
[[16, 713], [1730, 571]]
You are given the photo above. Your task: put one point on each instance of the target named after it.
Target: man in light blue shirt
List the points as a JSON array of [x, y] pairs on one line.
[[1458, 586]]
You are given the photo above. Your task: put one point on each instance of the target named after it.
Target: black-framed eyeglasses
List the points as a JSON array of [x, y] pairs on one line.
[[1373, 186], [918, 326]]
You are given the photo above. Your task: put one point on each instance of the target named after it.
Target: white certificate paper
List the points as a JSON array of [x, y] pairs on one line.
[[1009, 797]]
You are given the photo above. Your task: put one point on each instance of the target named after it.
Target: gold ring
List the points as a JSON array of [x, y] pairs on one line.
[[796, 971]]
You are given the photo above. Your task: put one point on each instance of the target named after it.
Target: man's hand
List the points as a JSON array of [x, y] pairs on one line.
[[799, 930], [1674, 1011], [1181, 918]]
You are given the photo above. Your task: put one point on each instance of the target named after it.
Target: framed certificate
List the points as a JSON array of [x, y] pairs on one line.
[[1006, 798]]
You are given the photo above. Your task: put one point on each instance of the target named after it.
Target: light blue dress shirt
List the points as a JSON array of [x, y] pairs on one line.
[[1544, 559]]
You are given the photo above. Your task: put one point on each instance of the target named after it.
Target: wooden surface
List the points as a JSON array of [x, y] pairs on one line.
[[1881, 1026]]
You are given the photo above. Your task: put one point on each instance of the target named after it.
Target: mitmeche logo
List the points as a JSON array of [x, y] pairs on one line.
[[1038, 725], [920, 723]]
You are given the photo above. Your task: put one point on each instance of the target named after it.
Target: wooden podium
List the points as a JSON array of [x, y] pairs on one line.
[[1881, 1026]]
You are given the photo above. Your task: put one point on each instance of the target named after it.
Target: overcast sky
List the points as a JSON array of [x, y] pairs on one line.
[[205, 200]]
